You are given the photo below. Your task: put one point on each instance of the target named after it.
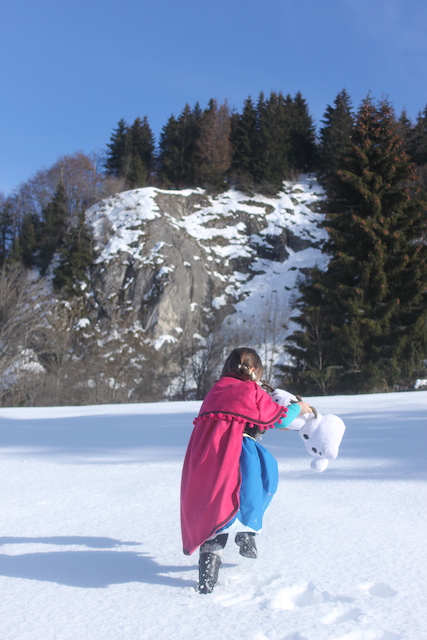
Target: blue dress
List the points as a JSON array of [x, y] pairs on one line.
[[260, 477]]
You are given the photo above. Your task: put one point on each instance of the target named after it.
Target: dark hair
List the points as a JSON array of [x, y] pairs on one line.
[[241, 361]]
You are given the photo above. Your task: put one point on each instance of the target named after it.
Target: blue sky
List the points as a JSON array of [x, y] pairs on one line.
[[71, 69]]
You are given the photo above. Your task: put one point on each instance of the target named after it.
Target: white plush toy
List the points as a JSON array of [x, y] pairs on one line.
[[321, 434]]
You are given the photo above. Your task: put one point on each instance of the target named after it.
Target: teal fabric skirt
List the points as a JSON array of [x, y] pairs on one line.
[[260, 478]]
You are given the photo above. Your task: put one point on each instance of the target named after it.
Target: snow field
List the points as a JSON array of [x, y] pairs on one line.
[[90, 540]]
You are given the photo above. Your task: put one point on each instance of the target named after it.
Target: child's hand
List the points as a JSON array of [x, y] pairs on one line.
[[305, 408]]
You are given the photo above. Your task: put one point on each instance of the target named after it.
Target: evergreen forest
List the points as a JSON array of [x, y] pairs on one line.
[[362, 322]]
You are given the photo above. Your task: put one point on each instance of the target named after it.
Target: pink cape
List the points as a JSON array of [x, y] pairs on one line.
[[210, 483]]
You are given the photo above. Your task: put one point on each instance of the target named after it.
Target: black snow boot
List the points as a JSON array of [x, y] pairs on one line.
[[246, 541], [209, 564]]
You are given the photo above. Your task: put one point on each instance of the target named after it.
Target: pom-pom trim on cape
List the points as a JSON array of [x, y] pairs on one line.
[[242, 419]]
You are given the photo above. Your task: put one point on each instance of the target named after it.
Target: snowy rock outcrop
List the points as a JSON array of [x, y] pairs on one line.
[[178, 262]]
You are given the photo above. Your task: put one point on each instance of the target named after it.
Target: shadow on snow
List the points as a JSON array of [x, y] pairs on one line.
[[88, 569]]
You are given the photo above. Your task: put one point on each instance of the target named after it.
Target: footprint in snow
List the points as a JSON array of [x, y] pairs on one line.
[[340, 613], [370, 635], [378, 589], [303, 595], [294, 596], [258, 591], [292, 636]]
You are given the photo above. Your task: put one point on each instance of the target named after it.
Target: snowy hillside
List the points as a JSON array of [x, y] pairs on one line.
[[91, 548], [176, 278], [180, 261]]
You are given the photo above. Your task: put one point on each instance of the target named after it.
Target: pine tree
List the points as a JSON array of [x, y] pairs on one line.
[[273, 126], [115, 163], [6, 230], [312, 346], [213, 148], [27, 240], [373, 292], [53, 227], [420, 139], [136, 172], [177, 158], [245, 142], [75, 258], [131, 152], [302, 135], [140, 147], [335, 135], [405, 129]]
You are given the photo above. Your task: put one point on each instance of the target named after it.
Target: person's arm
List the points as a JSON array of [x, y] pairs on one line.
[[294, 410]]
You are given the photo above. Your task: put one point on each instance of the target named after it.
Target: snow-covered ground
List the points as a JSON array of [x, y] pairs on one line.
[[90, 539]]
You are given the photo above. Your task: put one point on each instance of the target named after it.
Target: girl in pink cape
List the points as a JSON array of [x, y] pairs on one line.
[[228, 478]]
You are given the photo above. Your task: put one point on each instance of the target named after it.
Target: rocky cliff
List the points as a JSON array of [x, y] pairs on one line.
[[177, 263]]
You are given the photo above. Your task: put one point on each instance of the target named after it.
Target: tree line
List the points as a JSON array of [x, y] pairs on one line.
[[270, 140], [363, 321]]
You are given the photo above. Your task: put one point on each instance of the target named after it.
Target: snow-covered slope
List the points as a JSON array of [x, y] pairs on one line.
[[91, 548], [180, 261]]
